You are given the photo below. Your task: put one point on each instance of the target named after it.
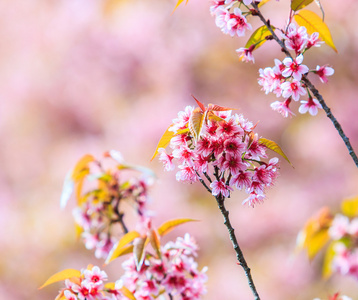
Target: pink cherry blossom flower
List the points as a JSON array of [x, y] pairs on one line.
[[203, 146], [229, 128], [283, 107], [220, 188], [254, 199], [311, 106], [95, 275], [353, 227], [292, 89], [234, 164], [215, 4], [314, 41], [188, 244], [295, 39], [234, 146], [294, 67], [245, 54], [167, 159], [69, 295], [184, 155], [267, 80], [174, 281], [237, 24], [182, 120], [323, 72], [242, 180], [339, 227], [186, 173]]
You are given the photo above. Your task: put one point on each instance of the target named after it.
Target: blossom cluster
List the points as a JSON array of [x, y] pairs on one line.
[[285, 78], [99, 208], [89, 286], [226, 152], [176, 273], [344, 233]]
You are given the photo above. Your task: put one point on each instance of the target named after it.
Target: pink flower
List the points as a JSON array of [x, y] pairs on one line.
[[294, 67], [234, 146], [95, 275], [295, 39], [292, 89], [339, 227], [182, 120], [267, 80], [215, 4], [237, 24], [242, 180], [203, 146], [254, 199], [69, 295], [184, 155], [229, 128], [323, 72], [311, 106], [167, 159], [186, 174], [246, 53], [283, 107], [234, 164], [219, 187], [313, 41]]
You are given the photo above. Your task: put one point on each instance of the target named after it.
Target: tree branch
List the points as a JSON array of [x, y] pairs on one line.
[[312, 88], [239, 255]]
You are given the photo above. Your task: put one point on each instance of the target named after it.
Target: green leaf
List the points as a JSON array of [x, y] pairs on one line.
[[259, 36], [119, 248], [60, 276], [349, 207], [327, 261], [164, 141], [274, 147], [314, 23], [299, 4], [168, 226]]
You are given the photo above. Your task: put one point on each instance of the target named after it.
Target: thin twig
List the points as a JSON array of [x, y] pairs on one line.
[[203, 182], [239, 255], [312, 88]]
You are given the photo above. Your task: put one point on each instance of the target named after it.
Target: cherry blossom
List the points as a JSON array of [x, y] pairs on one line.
[[311, 106], [323, 72], [283, 107], [294, 67], [245, 54], [220, 188], [293, 89]]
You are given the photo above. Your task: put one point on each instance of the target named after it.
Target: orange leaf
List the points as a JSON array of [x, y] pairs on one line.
[[274, 147], [119, 248], [214, 107], [155, 242], [201, 105], [164, 141], [81, 165], [314, 23], [60, 276], [168, 226], [180, 2], [350, 207], [127, 293]]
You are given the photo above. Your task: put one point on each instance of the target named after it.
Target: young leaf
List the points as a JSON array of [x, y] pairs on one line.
[[274, 147], [164, 141], [258, 37], [67, 190], [262, 3], [196, 123], [314, 236], [327, 261], [119, 247], [299, 4], [60, 276], [201, 105], [81, 165], [155, 242], [139, 251], [180, 2], [168, 226], [214, 107], [314, 23], [350, 207], [127, 293]]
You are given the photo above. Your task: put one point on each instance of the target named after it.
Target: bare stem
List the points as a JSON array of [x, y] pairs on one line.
[[239, 255], [312, 88]]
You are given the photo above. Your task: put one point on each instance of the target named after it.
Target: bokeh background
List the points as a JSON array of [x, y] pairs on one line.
[[85, 76]]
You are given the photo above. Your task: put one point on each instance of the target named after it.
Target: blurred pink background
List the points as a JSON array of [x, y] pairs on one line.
[[85, 76]]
